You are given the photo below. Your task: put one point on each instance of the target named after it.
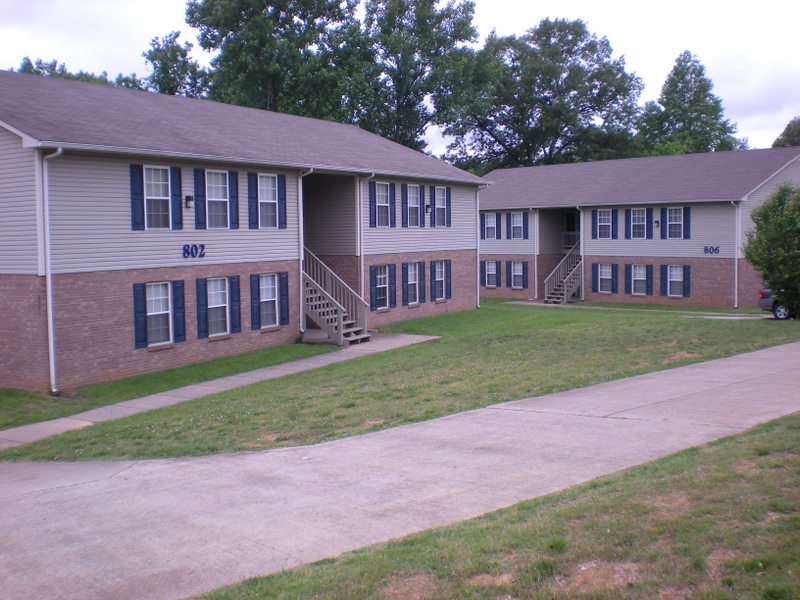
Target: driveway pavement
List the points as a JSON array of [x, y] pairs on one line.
[[172, 528]]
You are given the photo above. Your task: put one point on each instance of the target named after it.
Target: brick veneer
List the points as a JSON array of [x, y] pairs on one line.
[[23, 333], [463, 285], [750, 282], [346, 267], [503, 291]]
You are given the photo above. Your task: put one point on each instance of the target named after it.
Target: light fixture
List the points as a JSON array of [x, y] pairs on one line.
[[187, 200], [656, 223], [427, 208]]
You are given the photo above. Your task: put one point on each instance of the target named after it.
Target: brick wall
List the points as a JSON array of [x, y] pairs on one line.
[[504, 291], [750, 282], [23, 333], [711, 281], [463, 285], [346, 267], [95, 329]]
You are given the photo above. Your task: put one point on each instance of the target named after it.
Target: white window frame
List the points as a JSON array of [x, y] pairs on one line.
[[639, 219], [149, 197], [440, 206], [639, 279], [381, 284], [605, 278], [516, 226], [438, 276], [382, 205], [413, 206], [490, 225], [153, 311], [264, 298], [217, 200], [412, 283], [672, 213], [516, 274], [216, 306], [491, 271], [604, 228], [677, 281], [264, 199]]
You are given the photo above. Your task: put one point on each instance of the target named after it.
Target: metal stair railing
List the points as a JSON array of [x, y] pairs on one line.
[[565, 269]]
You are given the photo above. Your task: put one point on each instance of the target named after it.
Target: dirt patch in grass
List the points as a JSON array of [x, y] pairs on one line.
[[670, 506], [413, 587], [672, 593], [372, 423], [717, 559], [744, 465], [487, 580], [602, 575], [682, 355]]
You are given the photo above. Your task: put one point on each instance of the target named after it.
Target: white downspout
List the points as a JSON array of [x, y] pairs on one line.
[[302, 241], [48, 273], [581, 230], [738, 207], [360, 233]]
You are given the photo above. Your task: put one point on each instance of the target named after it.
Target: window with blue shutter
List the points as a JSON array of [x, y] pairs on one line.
[[421, 279], [525, 225], [176, 202], [497, 233], [525, 274], [200, 200], [483, 272], [628, 218], [649, 223], [233, 199], [404, 206], [433, 206], [392, 211], [421, 205], [373, 287], [139, 315], [687, 281], [448, 196], [282, 202], [497, 268], [664, 278], [392, 286], [594, 225], [252, 200], [649, 270], [483, 226], [373, 205], [448, 278], [137, 197], [404, 273], [235, 304], [508, 226], [628, 278], [255, 302], [614, 224], [178, 312], [614, 278], [595, 277], [687, 223], [509, 276], [283, 297], [202, 309]]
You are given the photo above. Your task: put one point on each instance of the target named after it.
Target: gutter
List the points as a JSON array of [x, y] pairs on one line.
[[736, 246], [302, 243], [48, 272], [581, 230]]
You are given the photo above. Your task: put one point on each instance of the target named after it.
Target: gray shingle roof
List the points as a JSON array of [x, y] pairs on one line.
[[715, 176], [73, 114]]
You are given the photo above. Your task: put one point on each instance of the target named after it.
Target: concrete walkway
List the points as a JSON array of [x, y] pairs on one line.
[[167, 529], [25, 434]]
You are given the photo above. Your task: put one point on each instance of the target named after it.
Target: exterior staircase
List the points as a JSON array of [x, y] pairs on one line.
[[564, 283], [340, 312]]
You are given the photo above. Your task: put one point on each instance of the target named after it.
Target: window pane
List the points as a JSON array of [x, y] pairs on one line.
[[269, 313], [217, 185], [156, 182], [269, 214], [267, 188], [158, 329], [218, 214], [638, 223], [157, 213], [217, 292], [217, 320]]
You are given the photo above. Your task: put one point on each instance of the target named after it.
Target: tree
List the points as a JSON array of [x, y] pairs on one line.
[[687, 116], [552, 95], [790, 135], [60, 71], [174, 73], [773, 245]]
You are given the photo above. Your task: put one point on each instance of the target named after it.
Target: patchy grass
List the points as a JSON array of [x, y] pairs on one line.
[[500, 352], [719, 522], [19, 408], [748, 311]]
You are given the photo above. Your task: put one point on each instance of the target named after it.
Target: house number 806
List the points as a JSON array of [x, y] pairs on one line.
[[710, 249], [194, 250]]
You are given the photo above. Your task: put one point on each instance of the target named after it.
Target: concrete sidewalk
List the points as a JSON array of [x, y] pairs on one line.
[[167, 529], [25, 434]]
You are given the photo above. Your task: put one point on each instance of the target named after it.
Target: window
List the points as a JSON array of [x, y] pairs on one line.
[[675, 284], [491, 273], [674, 223], [382, 286], [441, 206], [490, 226], [267, 201], [156, 197], [217, 199], [517, 274], [437, 279], [413, 206], [217, 306], [638, 223], [604, 224], [158, 313], [639, 279], [268, 300], [604, 273], [382, 204], [516, 226], [412, 283]]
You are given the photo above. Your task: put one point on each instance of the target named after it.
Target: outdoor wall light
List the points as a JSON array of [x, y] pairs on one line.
[[427, 208], [656, 222], [187, 201]]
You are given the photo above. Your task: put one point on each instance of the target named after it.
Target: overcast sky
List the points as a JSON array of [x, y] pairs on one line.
[[750, 50]]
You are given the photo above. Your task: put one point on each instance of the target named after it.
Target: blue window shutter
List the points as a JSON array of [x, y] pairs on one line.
[[595, 277], [664, 282], [687, 223], [433, 282], [664, 227], [282, 205], [525, 225], [404, 273], [421, 280], [139, 315], [373, 288], [448, 278], [508, 274], [448, 199], [283, 297], [202, 309], [137, 198], [200, 201], [178, 312], [233, 199], [252, 200], [649, 223], [483, 226], [373, 207], [483, 272], [687, 281], [615, 278], [422, 206], [403, 205], [498, 268], [525, 274], [433, 209], [594, 224], [255, 302], [497, 234], [176, 204], [392, 286], [628, 279], [508, 226], [614, 224], [392, 211], [236, 307], [628, 217], [649, 275]]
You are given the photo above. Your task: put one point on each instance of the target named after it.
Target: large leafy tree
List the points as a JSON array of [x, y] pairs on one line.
[[59, 70], [173, 72], [773, 245], [687, 117], [552, 95], [790, 135]]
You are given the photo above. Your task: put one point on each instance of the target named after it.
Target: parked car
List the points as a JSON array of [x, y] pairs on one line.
[[767, 302]]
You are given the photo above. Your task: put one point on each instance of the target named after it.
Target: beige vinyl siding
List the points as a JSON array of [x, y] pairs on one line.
[[18, 237], [712, 225], [330, 214], [461, 235], [91, 221], [790, 174], [506, 246], [551, 232]]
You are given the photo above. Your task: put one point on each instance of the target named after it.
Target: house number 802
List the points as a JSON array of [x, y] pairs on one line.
[[194, 250]]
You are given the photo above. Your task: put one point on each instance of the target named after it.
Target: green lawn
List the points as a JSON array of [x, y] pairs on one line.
[[500, 352], [719, 522]]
